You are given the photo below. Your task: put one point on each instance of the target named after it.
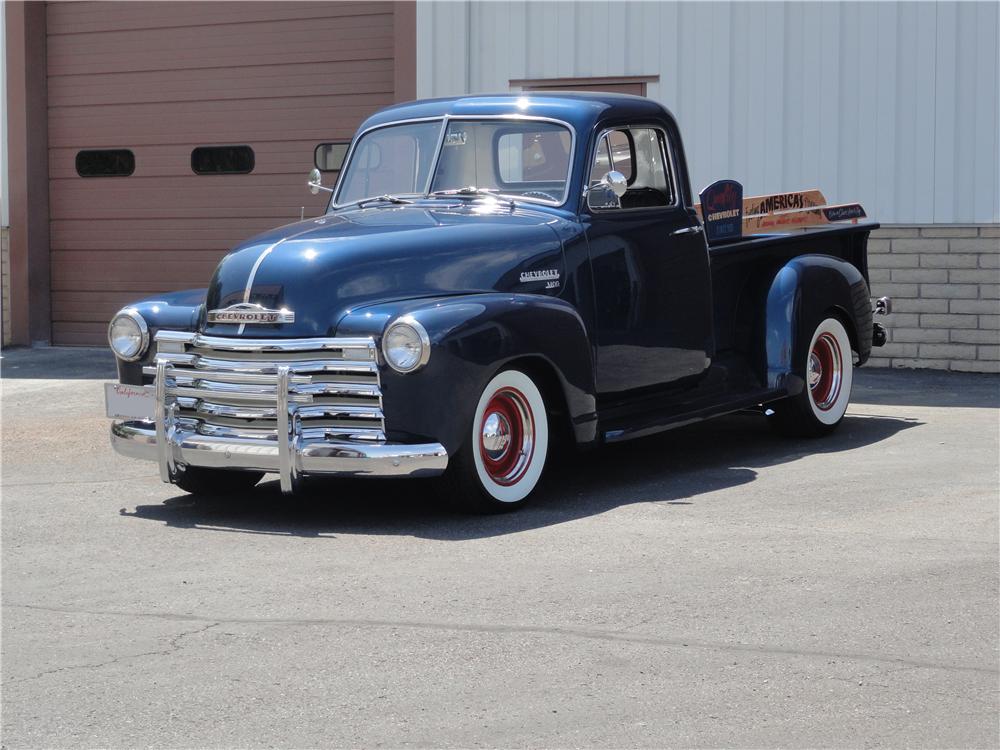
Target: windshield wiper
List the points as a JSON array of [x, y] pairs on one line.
[[472, 191], [382, 198]]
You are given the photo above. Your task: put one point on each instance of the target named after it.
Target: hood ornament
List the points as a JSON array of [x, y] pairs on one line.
[[247, 312]]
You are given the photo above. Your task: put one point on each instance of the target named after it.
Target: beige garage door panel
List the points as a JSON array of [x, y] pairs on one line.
[[77, 18], [163, 78], [252, 82]]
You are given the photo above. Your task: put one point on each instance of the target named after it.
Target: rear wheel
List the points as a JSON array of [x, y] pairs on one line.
[[201, 481], [502, 457], [829, 368]]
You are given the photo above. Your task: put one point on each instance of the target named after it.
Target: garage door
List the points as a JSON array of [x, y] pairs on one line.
[[135, 88]]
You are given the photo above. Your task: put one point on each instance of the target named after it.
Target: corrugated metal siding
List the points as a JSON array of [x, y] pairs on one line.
[[896, 105], [162, 78]]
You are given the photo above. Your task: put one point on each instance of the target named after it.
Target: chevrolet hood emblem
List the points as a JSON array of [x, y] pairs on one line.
[[249, 313]]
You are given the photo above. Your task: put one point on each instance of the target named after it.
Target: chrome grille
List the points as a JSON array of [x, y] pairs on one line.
[[328, 388]]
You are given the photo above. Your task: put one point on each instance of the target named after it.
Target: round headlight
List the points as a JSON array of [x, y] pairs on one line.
[[406, 345], [128, 335]]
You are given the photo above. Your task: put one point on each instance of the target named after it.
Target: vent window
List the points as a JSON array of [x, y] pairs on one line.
[[222, 160], [106, 163]]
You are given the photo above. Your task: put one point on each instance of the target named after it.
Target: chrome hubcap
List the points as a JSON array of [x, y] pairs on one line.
[[496, 435], [815, 370]]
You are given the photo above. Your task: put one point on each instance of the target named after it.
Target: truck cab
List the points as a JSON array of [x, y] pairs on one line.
[[493, 273]]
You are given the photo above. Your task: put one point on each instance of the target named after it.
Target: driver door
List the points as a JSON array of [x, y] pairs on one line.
[[650, 265]]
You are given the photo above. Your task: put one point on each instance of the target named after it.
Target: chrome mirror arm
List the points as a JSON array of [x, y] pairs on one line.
[[315, 184]]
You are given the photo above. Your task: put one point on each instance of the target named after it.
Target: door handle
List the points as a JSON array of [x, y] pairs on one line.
[[686, 230]]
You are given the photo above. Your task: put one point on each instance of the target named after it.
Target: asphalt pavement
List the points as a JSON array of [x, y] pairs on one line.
[[713, 586]]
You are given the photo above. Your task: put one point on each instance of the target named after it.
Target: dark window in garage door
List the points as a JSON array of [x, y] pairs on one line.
[[222, 160], [107, 163]]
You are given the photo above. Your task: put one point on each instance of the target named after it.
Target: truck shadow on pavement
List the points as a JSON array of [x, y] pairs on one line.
[[676, 468]]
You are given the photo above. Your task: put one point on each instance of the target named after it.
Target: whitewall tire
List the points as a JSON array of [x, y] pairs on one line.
[[829, 369], [503, 456]]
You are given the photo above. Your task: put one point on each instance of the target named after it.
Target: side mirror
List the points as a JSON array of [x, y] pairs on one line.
[[608, 192], [615, 182], [315, 182]]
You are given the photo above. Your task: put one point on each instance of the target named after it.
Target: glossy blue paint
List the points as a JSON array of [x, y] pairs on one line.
[[322, 268]]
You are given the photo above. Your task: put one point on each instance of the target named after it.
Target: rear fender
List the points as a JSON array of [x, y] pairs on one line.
[[472, 337], [803, 292]]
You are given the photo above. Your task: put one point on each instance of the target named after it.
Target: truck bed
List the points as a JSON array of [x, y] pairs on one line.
[[742, 271]]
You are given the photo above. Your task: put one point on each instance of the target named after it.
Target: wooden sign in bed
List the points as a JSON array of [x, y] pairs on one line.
[[763, 214]]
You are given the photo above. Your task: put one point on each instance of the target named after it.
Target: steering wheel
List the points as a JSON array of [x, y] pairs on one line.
[[540, 194]]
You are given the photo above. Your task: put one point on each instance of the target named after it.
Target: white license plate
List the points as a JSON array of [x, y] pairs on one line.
[[129, 401]]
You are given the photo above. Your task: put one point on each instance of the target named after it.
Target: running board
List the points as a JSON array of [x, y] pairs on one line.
[[666, 420]]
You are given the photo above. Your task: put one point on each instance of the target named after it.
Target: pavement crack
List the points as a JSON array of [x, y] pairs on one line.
[[502, 629], [173, 645]]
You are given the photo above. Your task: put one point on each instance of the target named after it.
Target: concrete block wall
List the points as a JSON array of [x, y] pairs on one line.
[[5, 289], [945, 286]]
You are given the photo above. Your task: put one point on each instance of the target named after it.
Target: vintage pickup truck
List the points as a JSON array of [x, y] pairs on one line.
[[494, 273]]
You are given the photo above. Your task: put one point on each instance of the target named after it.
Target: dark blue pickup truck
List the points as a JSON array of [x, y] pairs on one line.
[[494, 273]]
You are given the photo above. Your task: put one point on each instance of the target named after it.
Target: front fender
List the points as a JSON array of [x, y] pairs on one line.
[[174, 311], [472, 337], [803, 292]]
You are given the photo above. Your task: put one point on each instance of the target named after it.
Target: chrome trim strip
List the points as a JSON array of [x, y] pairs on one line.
[[187, 376], [200, 364], [284, 432], [223, 343], [437, 155], [160, 392], [341, 434], [230, 411], [236, 395], [338, 434], [336, 411], [252, 275], [256, 265], [335, 390]]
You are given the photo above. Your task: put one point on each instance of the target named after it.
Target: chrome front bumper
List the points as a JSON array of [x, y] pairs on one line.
[[314, 457], [294, 407]]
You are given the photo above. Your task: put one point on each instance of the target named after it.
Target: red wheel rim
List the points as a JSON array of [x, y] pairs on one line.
[[506, 436], [825, 371]]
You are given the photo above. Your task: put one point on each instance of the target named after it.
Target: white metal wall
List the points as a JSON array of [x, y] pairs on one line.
[[896, 105]]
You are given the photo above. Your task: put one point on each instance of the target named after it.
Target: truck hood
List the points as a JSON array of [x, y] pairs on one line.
[[321, 269]]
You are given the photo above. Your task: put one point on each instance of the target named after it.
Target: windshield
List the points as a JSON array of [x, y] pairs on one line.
[[516, 158]]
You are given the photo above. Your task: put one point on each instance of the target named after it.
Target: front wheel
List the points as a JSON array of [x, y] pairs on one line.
[[821, 405], [502, 457]]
